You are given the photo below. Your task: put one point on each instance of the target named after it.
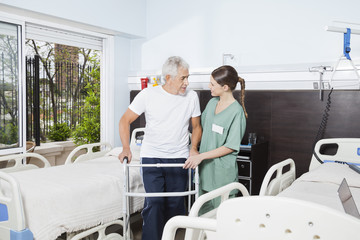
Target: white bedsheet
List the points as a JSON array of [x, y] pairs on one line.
[[321, 184], [76, 196]]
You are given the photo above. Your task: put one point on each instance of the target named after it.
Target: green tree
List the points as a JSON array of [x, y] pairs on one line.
[[88, 131], [51, 54], [59, 132], [8, 89]]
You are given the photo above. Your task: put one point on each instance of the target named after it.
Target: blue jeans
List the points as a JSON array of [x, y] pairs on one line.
[[158, 210]]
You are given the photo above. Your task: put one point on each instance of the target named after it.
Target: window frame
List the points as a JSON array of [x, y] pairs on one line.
[[21, 95], [106, 74]]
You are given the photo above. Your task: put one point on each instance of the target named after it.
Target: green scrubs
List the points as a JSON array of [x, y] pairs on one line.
[[223, 129]]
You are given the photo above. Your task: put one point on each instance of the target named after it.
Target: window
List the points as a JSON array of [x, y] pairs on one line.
[[63, 92], [10, 88], [65, 80], [18, 27]]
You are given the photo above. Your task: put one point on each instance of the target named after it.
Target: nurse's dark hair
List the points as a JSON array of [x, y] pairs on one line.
[[227, 75]]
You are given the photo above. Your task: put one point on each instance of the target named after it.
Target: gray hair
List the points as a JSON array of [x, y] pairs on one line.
[[172, 65]]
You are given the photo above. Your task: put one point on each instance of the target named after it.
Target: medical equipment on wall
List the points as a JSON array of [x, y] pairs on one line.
[[321, 70], [346, 49]]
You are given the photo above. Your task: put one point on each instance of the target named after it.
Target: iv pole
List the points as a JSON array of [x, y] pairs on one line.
[[346, 50]]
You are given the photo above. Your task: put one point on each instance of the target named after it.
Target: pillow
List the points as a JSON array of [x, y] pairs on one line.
[[332, 173]]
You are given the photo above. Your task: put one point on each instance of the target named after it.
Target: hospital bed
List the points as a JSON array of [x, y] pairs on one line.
[[271, 218], [12, 217], [277, 178], [295, 203], [82, 194], [329, 166]]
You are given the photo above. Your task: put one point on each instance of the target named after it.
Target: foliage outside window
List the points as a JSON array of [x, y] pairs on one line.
[[88, 131], [9, 86], [69, 82]]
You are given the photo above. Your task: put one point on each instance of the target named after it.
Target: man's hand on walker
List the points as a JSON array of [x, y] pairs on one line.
[[126, 153]]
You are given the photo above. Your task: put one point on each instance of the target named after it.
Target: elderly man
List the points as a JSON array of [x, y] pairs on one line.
[[168, 110]]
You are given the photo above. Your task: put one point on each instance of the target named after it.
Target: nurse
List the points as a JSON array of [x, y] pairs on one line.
[[223, 122]]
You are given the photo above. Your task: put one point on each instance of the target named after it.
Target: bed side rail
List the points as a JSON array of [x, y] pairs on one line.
[[78, 155], [133, 140], [223, 193], [12, 219], [198, 224], [282, 180], [20, 162]]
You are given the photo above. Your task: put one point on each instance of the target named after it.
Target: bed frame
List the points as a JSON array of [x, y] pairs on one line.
[[284, 175], [14, 227], [271, 218], [87, 152], [283, 178], [12, 219], [278, 177], [223, 193], [341, 150]]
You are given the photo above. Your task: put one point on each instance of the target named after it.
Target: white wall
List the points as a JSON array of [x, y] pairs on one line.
[[257, 32], [261, 34], [121, 16], [121, 90], [126, 19]]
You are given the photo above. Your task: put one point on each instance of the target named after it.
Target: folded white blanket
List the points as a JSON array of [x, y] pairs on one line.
[[74, 197]]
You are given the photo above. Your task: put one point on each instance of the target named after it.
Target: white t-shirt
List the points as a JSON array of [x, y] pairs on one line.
[[167, 121]]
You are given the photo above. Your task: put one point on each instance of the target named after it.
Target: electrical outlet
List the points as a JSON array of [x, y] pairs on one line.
[[231, 59], [316, 85], [326, 85]]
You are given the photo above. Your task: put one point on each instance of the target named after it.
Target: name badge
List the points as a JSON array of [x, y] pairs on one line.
[[217, 128]]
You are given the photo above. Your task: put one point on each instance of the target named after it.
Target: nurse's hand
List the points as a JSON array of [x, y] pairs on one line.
[[125, 153], [193, 161], [193, 152]]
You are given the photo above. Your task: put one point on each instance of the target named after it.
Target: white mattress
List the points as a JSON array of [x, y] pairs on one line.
[[76, 196], [321, 184]]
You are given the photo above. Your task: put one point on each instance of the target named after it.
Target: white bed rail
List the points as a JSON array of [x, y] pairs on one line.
[[282, 180], [193, 223], [271, 218], [133, 140], [348, 150], [223, 193], [90, 154], [20, 162], [12, 219]]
